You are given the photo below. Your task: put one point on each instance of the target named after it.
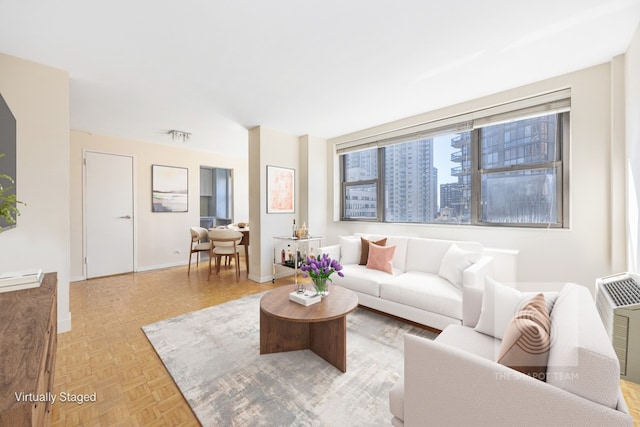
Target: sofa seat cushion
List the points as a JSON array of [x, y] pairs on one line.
[[469, 340], [425, 291], [361, 279]]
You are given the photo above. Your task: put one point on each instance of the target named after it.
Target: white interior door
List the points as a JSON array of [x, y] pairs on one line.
[[108, 214]]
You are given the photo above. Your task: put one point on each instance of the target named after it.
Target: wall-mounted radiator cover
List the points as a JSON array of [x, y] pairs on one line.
[[618, 302]]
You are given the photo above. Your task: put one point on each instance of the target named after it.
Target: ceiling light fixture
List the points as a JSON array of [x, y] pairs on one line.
[[179, 136]]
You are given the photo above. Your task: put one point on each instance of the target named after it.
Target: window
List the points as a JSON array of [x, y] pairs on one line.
[[360, 185], [522, 184], [505, 169]]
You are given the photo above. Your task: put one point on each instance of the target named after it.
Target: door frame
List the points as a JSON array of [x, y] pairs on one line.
[[84, 206]]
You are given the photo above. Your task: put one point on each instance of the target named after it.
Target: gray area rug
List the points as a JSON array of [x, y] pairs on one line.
[[214, 357]]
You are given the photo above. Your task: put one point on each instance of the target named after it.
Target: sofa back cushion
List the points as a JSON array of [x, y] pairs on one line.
[[400, 257], [581, 357], [425, 255]]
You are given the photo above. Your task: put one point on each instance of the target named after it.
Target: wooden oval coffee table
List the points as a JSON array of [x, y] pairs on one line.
[[321, 327]]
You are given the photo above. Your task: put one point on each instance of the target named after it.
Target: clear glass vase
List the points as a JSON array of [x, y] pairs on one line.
[[321, 285]]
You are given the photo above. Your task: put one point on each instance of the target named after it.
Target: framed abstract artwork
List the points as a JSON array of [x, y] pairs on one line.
[[280, 189], [170, 189]]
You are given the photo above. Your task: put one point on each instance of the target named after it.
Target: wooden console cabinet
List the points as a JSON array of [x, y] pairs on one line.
[[28, 339]]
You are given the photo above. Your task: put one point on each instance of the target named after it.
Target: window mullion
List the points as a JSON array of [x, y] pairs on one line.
[[475, 177], [515, 168], [381, 184]]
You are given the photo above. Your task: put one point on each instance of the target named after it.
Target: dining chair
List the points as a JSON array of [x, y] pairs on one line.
[[225, 243], [199, 245]]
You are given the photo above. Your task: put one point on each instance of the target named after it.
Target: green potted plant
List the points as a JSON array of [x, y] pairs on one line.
[[8, 201]]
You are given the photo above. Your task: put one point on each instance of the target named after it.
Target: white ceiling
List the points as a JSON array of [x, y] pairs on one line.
[[321, 67]]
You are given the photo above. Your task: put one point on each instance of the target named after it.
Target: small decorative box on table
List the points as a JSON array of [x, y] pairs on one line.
[[305, 298]]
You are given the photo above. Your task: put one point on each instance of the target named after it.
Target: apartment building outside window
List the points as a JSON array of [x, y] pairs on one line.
[[508, 173]]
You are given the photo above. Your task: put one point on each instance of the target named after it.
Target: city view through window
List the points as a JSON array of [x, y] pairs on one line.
[[429, 179]]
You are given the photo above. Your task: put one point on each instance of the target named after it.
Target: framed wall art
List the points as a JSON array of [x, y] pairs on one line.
[[8, 167], [170, 189], [280, 189]]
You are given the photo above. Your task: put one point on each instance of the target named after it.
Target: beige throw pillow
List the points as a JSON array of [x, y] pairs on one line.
[[525, 346]]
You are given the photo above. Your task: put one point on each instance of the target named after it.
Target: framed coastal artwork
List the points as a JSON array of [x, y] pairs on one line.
[[280, 189], [170, 189]]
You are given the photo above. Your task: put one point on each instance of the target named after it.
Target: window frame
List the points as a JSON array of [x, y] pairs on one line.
[[546, 104], [559, 165], [378, 182]]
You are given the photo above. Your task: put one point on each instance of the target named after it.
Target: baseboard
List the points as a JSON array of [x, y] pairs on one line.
[[64, 324], [260, 279], [161, 266]]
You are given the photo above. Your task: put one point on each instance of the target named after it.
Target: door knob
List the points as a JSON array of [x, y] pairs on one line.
[[125, 217]]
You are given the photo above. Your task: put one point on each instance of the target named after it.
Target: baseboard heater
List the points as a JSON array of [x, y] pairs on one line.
[[618, 303]]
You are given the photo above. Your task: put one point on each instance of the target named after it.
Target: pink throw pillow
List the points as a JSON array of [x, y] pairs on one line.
[[381, 257]]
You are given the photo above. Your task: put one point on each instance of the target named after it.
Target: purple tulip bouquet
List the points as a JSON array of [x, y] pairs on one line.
[[320, 269]]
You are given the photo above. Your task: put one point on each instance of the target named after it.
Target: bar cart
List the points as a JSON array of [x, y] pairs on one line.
[[291, 252]]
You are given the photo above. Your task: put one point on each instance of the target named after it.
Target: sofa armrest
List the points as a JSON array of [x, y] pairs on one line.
[[448, 386], [471, 305], [474, 275]]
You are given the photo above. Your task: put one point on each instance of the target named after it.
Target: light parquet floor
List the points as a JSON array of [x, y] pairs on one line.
[[107, 353]]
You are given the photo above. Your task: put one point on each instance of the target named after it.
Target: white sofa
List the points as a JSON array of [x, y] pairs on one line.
[[454, 380], [420, 288]]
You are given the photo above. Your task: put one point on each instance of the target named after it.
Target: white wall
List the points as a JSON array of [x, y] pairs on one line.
[[313, 197], [307, 155], [38, 97], [158, 235], [581, 253], [632, 134], [273, 148]]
